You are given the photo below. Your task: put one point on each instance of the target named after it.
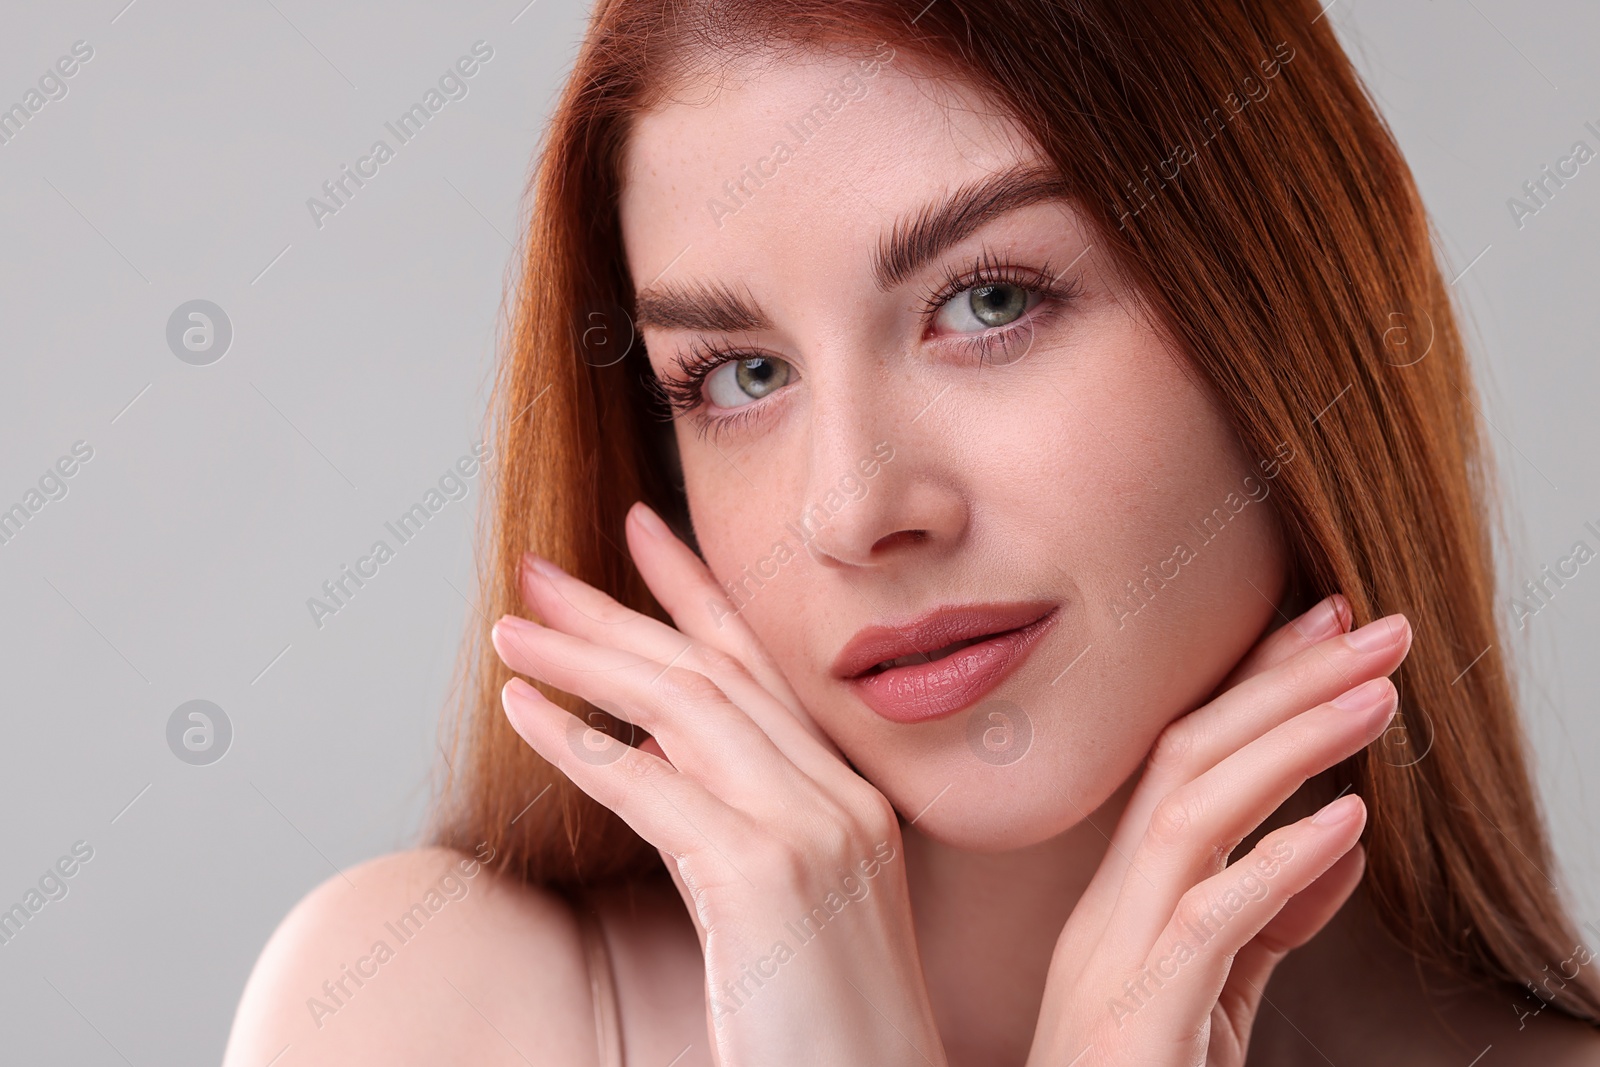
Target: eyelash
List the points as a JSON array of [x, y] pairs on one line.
[[685, 395]]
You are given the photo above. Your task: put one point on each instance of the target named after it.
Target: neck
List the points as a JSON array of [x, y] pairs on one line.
[[987, 924]]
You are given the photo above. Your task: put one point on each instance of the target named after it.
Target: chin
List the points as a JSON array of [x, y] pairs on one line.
[[1004, 801]]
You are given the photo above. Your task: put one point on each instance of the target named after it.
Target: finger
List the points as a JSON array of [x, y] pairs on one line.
[[1195, 827], [1329, 617], [1193, 744], [1311, 676], [1302, 918], [693, 719], [662, 805], [700, 608], [574, 606], [1188, 967]]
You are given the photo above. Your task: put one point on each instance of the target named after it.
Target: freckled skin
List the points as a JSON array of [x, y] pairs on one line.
[[1059, 475]]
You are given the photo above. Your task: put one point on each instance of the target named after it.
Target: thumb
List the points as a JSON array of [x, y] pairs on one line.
[[688, 899]]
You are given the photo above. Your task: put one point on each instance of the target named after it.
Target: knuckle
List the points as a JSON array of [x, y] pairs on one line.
[[837, 839], [846, 832], [781, 862], [1197, 910], [682, 686], [1302, 672], [829, 831], [1302, 743], [608, 612], [859, 820], [716, 662], [1172, 747], [1172, 820], [637, 766], [878, 819]]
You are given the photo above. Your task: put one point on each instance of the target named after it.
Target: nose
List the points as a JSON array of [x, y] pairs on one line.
[[880, 485]]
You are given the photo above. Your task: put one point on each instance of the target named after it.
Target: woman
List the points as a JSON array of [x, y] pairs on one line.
[[1067, 439]]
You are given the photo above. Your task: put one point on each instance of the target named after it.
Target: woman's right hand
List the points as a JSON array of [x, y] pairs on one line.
[[1165, 957], [788, 861]]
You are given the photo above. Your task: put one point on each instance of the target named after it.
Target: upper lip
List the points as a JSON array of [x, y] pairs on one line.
[[933, 630]]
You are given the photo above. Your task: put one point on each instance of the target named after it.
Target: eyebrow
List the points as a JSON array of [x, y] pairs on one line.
[[913, 242], [713, 308], [917, 239]]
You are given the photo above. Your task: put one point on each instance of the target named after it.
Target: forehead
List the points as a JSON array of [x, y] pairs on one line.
[[764, 169]]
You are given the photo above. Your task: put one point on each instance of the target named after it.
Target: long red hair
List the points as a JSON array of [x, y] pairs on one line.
[[1275, 234]]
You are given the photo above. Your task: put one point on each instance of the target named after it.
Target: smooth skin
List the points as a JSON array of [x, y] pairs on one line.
[[1028, 912], [760, 839]]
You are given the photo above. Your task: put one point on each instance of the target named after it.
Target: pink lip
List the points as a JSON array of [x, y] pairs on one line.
[[923, 691]]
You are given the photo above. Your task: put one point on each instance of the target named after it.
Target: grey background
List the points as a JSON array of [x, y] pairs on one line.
[[220, 497]]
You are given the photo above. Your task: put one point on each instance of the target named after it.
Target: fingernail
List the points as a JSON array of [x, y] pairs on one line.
[[535, 562], [516, 624], [1341, 607], [1381, 634], [1342, 810], [649, 521], [521, 693], [1324, 619], [1365, 697]]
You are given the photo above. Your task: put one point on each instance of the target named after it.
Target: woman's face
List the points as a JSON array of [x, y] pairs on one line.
[[888, 436]]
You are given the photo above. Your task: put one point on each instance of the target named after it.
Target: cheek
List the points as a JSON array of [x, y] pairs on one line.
[[1171, 537], [1125, 491], [744, 523]]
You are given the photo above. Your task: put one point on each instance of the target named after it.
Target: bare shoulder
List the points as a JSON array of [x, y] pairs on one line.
[[425, 956]]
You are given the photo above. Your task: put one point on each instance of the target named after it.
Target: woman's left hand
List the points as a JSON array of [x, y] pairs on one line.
[[789, 862]]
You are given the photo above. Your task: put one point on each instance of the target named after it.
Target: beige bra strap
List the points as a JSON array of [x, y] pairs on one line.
[[602, 986]]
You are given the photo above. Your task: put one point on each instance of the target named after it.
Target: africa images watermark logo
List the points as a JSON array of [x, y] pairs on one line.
[[53, 85], [52, 485], [199, 732], [999, 732], [1538, 593], [1542, 189], [52, 887], [199, 332]]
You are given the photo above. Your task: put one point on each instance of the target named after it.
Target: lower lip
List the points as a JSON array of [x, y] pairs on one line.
[[920, 692]]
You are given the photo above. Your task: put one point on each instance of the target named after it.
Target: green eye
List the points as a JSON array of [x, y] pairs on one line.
[[985, 307], [997, 305], [738, 382]]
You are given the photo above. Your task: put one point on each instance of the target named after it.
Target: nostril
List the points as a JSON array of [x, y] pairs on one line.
[[900, 536]]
